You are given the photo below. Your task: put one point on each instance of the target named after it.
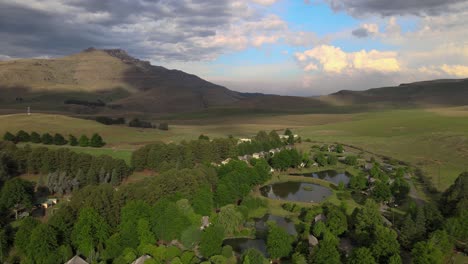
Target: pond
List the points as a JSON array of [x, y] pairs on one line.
[[296, 192], [239, 245], [328, 175]]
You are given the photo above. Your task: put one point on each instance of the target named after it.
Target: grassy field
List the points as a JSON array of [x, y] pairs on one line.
[[434, 140]]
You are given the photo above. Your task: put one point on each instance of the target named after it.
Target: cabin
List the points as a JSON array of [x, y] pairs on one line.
[[76, 260], [141, 259], [320, 217], [313, 241], [49, 203], [243, 140], [226, 161], [205, 222]]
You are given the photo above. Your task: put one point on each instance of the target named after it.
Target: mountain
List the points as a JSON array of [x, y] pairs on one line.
[[445, 92]]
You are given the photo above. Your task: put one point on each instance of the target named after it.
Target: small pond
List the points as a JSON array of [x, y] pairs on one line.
[[239, 245], [296, 192], [262, 227], [328, 175]]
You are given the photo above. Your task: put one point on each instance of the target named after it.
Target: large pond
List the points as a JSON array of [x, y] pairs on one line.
[[296, 192], [239, 245], [328, 175]]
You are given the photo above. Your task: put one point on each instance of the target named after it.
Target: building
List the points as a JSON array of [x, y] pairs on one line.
[[141, 259], [205, 222], [320, 217], [76, 260], [313, 241], [49, 202], [243, 140]]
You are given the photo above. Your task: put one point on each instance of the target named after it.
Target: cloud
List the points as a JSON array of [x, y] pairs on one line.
[[366, 30], [359, 8], [265, 2], [459, 71], [154, 30], [334, 60]]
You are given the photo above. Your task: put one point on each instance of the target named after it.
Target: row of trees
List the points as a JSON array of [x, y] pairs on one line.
[[145, 124], [57, 139], [61, 170]]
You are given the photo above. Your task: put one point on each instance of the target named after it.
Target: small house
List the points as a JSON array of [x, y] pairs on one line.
[[49, 202], [226, 161], [76, 260], [141, 259], [205, 222], [320, 217], [243, 140], [313, 241]]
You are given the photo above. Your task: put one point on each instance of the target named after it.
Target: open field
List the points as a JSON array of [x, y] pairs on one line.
[[434, 140]]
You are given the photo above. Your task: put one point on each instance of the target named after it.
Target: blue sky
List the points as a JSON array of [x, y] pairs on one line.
[[294, 47]]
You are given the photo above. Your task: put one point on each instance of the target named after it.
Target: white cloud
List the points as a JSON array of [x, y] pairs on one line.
[[334, 60], [265, 2]]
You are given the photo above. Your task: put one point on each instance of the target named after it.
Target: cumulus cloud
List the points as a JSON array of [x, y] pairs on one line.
[[334, 60], [366, 30], [459, 71], [359, 8], [265, 2]]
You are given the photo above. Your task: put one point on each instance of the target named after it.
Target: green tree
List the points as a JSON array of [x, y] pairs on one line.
[[59, 139], [336, 221], [361, 255], [47, 139], [83, 141], [17, 193], [332, 159], [321, 159], [351, 160], [326, 253], [96, 141], [252, 256], [381, 192], [42, 247], [4, 245], [90, 232], [35, 137], [168, 222], [72, 140], [358, 182], [230, 219], [454, 200], [279, 242], [366, 220], [23, 136], [339, 148], [212, 241], [9, 137], [384, 244], [203, 201], [23, 234], [426, 252]]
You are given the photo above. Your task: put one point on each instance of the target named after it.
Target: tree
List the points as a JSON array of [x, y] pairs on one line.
[[47, 139], [72, 140], [4, 245], [321, 159], [163, 126], [288, 132], [332, 159], [42, 248], [358, 182], [339, 148], [454, 200], [279, 242], [17, 193], [252, 256], [203, 200], [361, 255], [366, 220], [326, 253], [229, 218], [35, 137], [298, 258], [89, 232], [381, 192], [203, 137], [336, 221], [426, 252], [211, 241], [83, 141], [23, 234], [96, 141], [400, 189], [168, 222], [384, 244], [351, 160], [59, 139], [22, 136], [9, 137]]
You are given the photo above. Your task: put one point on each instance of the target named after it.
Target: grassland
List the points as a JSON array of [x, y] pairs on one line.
[[435, 140]]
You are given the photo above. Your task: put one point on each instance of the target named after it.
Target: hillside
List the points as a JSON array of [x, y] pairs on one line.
[[109, 76], [418, 94]]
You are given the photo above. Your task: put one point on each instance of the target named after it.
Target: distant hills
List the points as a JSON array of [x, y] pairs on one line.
[[112, 82]]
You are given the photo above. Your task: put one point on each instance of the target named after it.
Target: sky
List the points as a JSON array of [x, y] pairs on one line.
[[288, 47]]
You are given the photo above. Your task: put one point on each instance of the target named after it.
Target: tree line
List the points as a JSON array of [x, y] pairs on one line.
[[145, 124], [58, 139]]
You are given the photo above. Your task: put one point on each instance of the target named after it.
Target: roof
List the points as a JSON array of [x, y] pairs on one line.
[[77, 260], [313, 241], [320, 217], [141, 259]]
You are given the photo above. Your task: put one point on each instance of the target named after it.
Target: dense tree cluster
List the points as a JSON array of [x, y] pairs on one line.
[[110, 121], [96, 140], [161, 156], [286, 158], [263, 141], [65, 170], [145, 124]]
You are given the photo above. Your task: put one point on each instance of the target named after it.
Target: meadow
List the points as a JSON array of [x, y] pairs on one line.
[[435, 140]]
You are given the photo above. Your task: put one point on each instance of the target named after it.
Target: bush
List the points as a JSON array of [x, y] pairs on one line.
[[59, 139], [35, 137], [9, 137], [351, 160], [47, 139], [22, 136]]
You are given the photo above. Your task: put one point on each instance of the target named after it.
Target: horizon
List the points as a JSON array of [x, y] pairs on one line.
[[302, 48]]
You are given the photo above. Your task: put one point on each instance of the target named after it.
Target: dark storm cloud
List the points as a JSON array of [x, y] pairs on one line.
[[151, 29], [360, 33], [394, 7]]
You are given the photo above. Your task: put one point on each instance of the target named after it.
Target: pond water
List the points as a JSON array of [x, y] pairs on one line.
[[239, 245], [296, 192], [328, 175]]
